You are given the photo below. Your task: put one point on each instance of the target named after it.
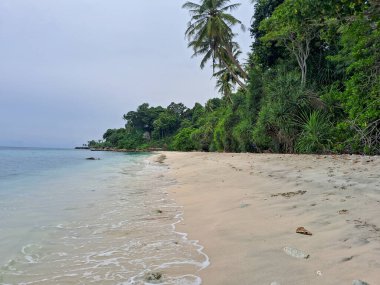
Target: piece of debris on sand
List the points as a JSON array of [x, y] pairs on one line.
[[303, 231], [289, 194], [296, 253]]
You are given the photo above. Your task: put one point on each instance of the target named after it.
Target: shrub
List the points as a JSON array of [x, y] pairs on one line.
[[242, 134], [183, 141], [283, 99], [315, 135]]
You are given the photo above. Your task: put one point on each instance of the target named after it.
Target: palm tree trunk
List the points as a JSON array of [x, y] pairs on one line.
[[236, 62], [228, 95], [241, 84]]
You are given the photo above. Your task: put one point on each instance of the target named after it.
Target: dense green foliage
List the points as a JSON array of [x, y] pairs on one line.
[[311, 84]]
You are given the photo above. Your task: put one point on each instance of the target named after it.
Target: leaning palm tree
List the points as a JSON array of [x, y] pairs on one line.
[[226, 78], [224, 85], [210, 32], [220, 59]]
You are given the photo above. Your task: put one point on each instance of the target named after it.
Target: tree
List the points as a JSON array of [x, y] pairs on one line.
[[166, 124], [196, 113], [213, 104], [178, 109], [113, 136], [294, 25], [210, 33], [265, 54], [143, 118], [226, 80], [92, 143], [225, 83], [360, 54], [169, 121]]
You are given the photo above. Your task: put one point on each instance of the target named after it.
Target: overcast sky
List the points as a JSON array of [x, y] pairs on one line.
[[69, 69]]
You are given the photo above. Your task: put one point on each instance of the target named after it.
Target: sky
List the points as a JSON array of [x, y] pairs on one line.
[[70, 69]]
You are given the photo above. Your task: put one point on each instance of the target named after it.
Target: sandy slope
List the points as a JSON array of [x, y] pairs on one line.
[[233, 205]]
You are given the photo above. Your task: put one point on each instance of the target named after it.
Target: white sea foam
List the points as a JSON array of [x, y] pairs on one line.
[[118, 240], [31, 253]]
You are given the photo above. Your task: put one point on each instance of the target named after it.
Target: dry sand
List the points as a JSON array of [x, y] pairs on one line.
[[245, 208]]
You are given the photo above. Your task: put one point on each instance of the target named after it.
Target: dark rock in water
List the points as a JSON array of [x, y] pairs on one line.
[[359, 282], [92, 158], [153, 276]]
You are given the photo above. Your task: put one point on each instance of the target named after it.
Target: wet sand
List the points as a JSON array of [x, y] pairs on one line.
[[245, 209]]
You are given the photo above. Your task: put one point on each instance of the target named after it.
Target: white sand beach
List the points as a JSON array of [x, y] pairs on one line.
[[245, 209]]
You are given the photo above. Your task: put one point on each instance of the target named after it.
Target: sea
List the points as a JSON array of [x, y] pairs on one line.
[[68, 220]]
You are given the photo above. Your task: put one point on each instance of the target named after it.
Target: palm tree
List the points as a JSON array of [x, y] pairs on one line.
[[225, 85], [227, 77], [225, 62], [220, 59], [210, 32]]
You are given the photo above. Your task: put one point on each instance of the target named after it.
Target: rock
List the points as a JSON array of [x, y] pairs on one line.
[[92, 158], [303, 231], [359, 282], [296, 253]]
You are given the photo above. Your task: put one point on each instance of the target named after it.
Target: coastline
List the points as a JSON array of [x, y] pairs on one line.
[[112, 149], [245, 209]]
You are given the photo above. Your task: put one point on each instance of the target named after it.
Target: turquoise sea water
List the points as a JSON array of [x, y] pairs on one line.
[[68, 220]]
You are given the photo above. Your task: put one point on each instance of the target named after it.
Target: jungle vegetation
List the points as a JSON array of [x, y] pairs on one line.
[[311, 83]]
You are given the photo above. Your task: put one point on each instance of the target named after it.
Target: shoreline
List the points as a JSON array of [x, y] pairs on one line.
[[245, 209], [108, 223]]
